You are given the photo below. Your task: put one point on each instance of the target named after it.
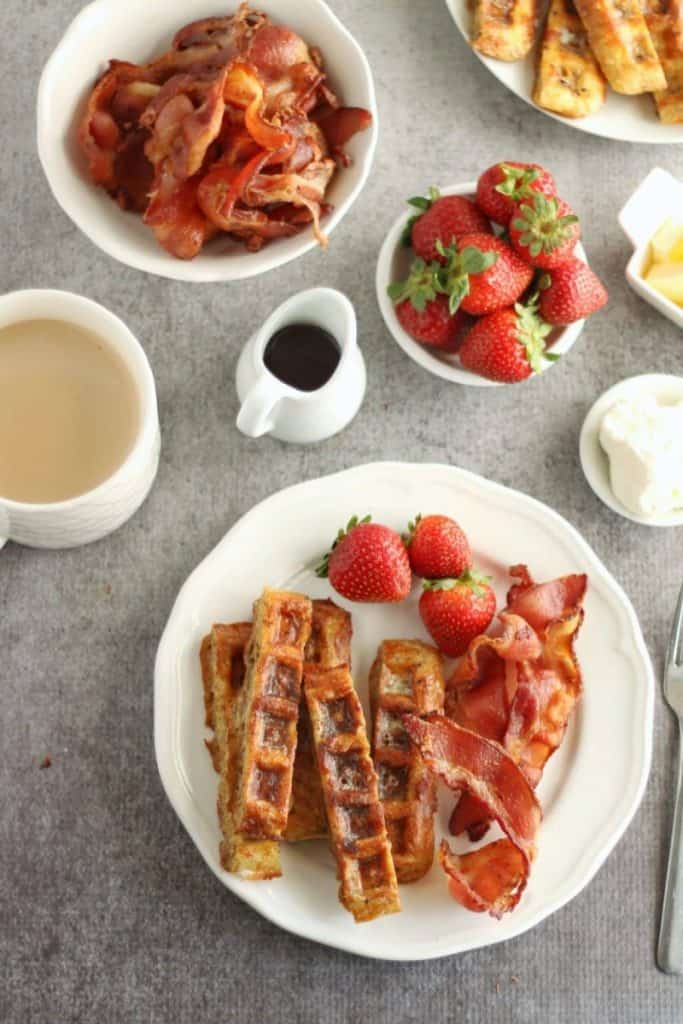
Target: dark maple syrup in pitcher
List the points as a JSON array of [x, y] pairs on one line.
[[302, 355]]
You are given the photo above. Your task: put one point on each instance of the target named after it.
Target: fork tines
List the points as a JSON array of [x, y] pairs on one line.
[[222, 664], [329, 646], [406, 677], [358, 834], [267, 712]]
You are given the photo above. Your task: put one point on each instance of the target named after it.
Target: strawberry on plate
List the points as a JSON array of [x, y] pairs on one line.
[[544, 231], [455, 611], [507, 346], [571, 292], [437, 547], [368, 562], [483, 274], [423, 310], [447, 218], [504, 184]]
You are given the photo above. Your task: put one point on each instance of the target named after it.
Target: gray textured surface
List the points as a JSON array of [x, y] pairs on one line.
[[107, 913]]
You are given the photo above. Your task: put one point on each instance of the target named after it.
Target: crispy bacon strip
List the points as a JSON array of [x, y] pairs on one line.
[[185, 118], [217, 134], [100, 132], [175, 216], [244, 89], [493, 877], [521, 688], [489, 879]]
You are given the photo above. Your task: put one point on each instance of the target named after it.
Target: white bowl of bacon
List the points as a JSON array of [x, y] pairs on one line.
[[232, 145]]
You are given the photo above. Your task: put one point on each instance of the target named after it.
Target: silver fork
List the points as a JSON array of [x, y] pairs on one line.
[[670, 945]]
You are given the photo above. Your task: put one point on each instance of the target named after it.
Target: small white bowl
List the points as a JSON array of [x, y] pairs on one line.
[[393, 264], [118, 28], [658, 197], [594, 460]]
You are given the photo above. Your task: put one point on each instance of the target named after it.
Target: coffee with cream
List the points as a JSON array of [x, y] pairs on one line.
[[69, 411]]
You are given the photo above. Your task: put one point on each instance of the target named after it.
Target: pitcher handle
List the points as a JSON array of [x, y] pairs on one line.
[[255, 418]]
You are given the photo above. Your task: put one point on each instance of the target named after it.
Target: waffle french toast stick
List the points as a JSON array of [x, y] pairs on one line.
[[222, 663], [504, 29], [266, 714], [664, 19], [620, 40], [569, 80], [329, 646], [368, 886], [407, 676]]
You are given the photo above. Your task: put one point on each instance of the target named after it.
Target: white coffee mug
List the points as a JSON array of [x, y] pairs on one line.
[[270, 406], [89, 516]]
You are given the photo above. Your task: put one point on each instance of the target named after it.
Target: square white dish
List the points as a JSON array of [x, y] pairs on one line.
[[659, 196]]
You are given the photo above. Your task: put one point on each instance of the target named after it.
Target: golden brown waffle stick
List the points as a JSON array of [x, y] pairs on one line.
[[664, 19], [358, 834], [407, 677], [266, 714], [504, 31], [222, 662], [328, 647], [620, 40], [568, 80]]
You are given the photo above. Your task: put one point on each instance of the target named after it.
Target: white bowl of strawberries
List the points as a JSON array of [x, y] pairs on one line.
[[487, 282]]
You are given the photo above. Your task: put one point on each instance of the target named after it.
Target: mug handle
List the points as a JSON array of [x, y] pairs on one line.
[[255, 417]]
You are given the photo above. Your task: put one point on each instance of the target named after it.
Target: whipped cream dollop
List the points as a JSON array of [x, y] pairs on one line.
[[643, 438]]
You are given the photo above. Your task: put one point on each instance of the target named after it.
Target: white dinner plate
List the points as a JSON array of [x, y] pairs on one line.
[[625, 118], [591, 788]]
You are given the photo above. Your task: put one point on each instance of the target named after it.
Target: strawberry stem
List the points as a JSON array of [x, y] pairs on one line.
[[323, 567], [470, 578]]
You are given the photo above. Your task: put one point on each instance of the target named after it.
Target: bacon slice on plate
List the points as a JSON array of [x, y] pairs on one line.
[[493, 877], [521, 687]]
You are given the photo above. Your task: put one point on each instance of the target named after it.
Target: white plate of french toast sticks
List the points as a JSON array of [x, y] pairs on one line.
[[315, 748], [609, 67]]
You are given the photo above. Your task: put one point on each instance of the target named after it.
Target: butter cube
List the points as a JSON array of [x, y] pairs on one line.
[[667, 279], [667, 243]]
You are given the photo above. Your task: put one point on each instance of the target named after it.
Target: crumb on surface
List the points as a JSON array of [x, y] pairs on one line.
[[45, 763]]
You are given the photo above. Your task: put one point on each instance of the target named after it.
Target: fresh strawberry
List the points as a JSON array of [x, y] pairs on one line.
[[447, 219], [544, 231], [368, 562], [423, 310], [455, 611], [504, 184], [438, 548], [483, 274], [571, 292], [508, 345]]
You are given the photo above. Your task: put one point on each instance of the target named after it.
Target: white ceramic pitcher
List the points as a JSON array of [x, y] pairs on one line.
[[269, 406]]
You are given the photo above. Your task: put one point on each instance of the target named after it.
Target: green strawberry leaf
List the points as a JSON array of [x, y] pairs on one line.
[[323, 567], [474, 261], [421, 285]]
